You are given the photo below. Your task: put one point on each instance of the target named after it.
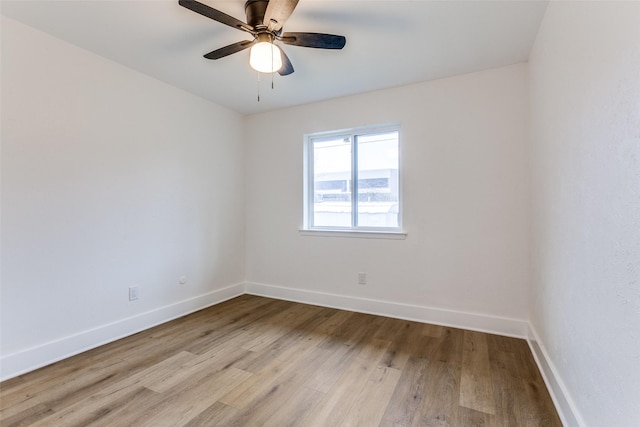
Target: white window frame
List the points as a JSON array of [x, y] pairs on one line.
[[308, 192]]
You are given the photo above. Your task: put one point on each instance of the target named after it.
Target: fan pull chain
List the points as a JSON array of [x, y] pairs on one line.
[[258, 82], [272, 73]]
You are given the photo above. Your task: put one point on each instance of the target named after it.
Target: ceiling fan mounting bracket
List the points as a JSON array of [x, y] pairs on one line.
[[255, 9]]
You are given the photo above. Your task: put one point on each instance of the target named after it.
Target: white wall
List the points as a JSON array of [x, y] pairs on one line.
[[109, 179], [466, 198], [585, 120]]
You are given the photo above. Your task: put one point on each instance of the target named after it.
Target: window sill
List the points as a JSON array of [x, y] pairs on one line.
[[358, 234]]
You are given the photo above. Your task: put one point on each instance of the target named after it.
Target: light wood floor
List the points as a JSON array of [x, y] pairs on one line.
[[256, 361]]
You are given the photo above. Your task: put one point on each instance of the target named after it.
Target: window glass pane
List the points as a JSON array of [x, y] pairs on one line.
[[378, 187], [332, 182]]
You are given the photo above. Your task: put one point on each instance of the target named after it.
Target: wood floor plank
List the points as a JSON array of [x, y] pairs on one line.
[[534, 406], [279, 391], [476, 387], [241, 321], [192, 368], [386, 423], [296, 410], [125, 411], [36, 393], [352, 331], [432, 330], [279, 325], [307, 331], [89, 402], [506, 399], [440, 406], [27, 416], [341, 397], [217, 414], [472, 418], [254, 361], [449, 347], [408, 395], [180, 408], [277, 402], [335, 319], [292, 361], [369, 406], [407, 336], [332, 369]]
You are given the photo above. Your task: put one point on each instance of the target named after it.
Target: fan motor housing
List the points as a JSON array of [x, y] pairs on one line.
[[255, 10]]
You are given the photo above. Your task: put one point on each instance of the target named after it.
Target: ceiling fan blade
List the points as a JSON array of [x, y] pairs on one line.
[[286, 68], [317, 40], [277, 13], [215, 14], [228, 50]]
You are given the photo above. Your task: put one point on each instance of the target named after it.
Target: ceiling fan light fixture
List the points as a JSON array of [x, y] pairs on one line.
[[265, 57]]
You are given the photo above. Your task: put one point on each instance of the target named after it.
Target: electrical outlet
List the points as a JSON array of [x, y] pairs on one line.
[[362, 278], [133, 293]]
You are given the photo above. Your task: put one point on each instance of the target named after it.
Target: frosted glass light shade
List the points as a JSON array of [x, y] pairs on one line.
[[265, 57]]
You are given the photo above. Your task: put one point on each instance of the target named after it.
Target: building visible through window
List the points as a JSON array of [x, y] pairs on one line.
[[361, 162]]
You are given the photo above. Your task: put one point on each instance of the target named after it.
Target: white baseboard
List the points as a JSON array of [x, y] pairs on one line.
[[33, 358], [562, 400], [459, 319]]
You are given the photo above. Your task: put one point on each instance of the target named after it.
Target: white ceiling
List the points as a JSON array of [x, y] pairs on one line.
[[389, 43]]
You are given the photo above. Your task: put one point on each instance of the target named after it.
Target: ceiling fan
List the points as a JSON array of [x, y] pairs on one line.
[[265, 19]]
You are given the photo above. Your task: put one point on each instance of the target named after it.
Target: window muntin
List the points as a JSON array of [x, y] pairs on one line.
[[364, 162]]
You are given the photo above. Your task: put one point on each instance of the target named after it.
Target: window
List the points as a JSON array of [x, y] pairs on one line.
[[352, 180]]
